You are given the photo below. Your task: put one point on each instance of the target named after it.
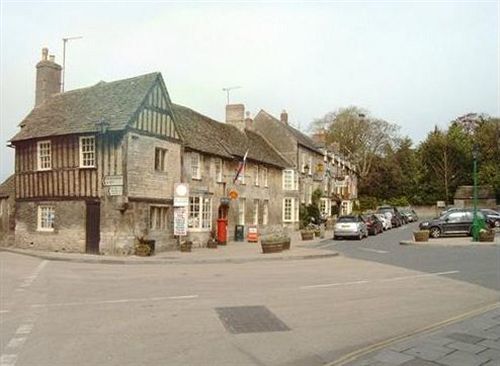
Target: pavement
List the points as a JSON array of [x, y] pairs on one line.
[[471, 342], [233, 252], [451, 241]]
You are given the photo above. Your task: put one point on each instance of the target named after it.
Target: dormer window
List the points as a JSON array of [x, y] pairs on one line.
[[44, 155]]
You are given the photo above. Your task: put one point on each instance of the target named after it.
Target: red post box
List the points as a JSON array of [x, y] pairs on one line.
[[222, 231]]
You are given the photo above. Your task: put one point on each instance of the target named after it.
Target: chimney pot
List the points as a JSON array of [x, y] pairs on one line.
[[52, 58], [45, 53], [48, 77], [284, 117]]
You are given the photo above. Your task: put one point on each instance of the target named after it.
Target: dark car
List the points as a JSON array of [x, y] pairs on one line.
[[492, 216], [456, 222], [409, 214], [373, 224]]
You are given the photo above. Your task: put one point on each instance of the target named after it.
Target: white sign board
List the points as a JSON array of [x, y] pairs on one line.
[[441, 204], [115, 191], [113, 180], [180, 221], [181, 195]]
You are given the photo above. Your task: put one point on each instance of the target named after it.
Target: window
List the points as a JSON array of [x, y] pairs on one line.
[[256, 175], [324, 206], [195, 166], [265, 212], [87, 152], [255, 212], [309, 194], [303, 165], [218, 170], [290, 180], [160, 159], [2, 200], [310, 166], [241, 211], [288, 209], [200, 213], [44, 155], [264, 176], [46, 218], [158, 217]]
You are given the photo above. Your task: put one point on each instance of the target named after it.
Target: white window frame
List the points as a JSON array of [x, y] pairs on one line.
[[290, 180], [265, 212], [218, 165], [256, 206], [256, 172], [161, 212], [45, 223], [310, 165], [195, 165], [201, 218], [264, 176], [309, 194], [241, 210], [40, 157], [83, 159], [325, 206], [1, 205], [288, 214]]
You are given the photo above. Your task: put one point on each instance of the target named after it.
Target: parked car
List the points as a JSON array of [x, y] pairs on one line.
[[492, 216], [373, 224], [350, 226], [386, 222], [453, 222]]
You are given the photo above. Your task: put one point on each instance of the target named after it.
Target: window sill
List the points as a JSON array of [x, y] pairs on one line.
[[87, 167], [194, 178], [45, 230], [44, 170], [193, 230]]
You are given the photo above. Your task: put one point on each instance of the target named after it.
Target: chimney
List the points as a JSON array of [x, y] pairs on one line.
[[284, 117], [248, 120], [235, 115], [48, 77]]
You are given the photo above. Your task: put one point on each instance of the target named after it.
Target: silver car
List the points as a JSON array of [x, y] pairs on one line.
[[386, 222], [350, 226]]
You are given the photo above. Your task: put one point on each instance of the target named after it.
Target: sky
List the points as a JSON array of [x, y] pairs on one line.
[[416, 64]]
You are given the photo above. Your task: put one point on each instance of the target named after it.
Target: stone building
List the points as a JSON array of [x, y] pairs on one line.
[[7, 210], [212, 154], [464, 197], [95, 167]]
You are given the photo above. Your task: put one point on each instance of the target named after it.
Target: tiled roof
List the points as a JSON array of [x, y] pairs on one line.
[[7, 188], [301, 138], [77, 111], [204, 134]]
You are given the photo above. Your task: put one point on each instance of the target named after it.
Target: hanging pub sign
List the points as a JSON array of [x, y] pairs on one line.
[[233, 194], [181, 195]]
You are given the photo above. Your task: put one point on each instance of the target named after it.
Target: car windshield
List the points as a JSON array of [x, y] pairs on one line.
[[348, 219]]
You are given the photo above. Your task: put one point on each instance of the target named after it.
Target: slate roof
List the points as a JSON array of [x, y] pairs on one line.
[[467, 192], [204, 134], [302, 139], [7, 188], [77, 111]]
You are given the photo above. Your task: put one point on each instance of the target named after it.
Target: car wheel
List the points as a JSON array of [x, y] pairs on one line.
[[435, 232], [335, 237], [360, 236], [497, 223]]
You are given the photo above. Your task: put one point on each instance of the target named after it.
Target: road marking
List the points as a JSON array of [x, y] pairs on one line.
[[435, 274], [24, 329], [374, 250], [16, 342], [31, 278], [4, 311], [116, 301], [8, 360], [353, 356]]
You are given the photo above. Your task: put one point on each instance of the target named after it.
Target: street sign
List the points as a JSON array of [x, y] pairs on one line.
[[181, 195], [115, 191], [233, 194], [180, 221], [441, 204], [113, 180]]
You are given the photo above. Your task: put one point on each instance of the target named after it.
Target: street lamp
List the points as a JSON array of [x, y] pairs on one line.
[[476, 224]]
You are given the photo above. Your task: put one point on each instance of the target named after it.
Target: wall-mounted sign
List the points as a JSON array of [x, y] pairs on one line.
[[115, 191], [181, 195], [180, 221], [233, 194], [320, 168], [113, 180], [441, 204]]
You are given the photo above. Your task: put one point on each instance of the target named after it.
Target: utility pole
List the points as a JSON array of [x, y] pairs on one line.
[[65, 40], [228, 89]]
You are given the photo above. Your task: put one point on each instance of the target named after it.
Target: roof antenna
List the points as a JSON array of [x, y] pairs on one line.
[[228, 89], [65, 40]]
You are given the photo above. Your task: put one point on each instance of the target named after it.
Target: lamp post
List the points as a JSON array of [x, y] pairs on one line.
[[475, 221]]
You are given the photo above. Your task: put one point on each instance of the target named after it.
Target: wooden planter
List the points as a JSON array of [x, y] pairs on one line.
[[317, 233], [307, 235], [145, 248], [487, 236], [422, 235], [286, 244], [212, 243], [271, 246], [186, 246]]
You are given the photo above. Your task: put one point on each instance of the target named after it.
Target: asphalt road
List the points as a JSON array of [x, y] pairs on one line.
[[475, 264], [304, 312]]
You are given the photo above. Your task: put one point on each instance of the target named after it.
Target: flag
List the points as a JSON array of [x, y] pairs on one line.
[[241, 168]]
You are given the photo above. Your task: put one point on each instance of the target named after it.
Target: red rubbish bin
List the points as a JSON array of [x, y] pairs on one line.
[[222, 231]]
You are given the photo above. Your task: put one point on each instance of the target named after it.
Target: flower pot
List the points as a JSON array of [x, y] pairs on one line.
[[307, 235], [142, 250], [212, 243], [286, 244], [422, 235], [186, 246], [487, 235], [317, 233], [271, 246]]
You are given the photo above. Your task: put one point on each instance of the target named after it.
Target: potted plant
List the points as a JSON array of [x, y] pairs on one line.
[[186, 246], [487, 235], [144, 247], [307, 234], [421, 235], [274, 243], [212, 241]]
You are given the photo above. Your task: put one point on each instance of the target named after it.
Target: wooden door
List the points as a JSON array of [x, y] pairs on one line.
[[92, 227]]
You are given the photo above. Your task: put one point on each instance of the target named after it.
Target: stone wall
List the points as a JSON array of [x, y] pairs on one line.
[[7, 220], [69, 227]]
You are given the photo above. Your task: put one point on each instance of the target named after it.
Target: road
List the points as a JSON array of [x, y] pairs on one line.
[[475, 264], [304, 312]]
